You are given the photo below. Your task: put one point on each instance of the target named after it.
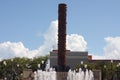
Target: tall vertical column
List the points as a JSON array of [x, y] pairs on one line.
[[62, 35]]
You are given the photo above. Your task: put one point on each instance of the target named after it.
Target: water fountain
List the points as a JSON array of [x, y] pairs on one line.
[[51, 74], [45, 75], [80, 75]]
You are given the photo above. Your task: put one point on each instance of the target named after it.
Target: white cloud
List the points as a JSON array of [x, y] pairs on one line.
[[13, 49], [112, 48], [75, 42], [50, 41], [98, 57], [17, 49]]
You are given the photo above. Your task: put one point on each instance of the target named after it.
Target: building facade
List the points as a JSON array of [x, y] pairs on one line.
[[72, 58]]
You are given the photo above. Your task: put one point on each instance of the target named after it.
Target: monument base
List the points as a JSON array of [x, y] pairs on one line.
[[61, 68], [61, 75]]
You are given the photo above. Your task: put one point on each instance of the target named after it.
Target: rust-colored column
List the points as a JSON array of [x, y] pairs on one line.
[[62, 35]]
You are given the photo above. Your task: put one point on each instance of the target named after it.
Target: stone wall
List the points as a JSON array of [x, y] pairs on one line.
[[28, 74], [97, 74], [62, 75]]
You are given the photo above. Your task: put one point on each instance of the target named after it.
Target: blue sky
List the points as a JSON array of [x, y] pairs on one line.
[[27, 20]]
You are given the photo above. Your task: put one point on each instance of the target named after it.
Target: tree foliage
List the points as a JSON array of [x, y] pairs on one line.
[[15, 66], [108, 69]]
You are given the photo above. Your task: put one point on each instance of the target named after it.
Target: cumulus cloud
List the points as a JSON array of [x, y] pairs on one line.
[[50, 39], [13, 49], [112, 48], [75, 42]]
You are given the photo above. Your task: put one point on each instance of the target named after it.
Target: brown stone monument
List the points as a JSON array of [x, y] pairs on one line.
[[61, 67], [62, 35]]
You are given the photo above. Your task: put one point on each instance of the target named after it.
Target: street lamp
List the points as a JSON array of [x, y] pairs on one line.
[[42, 65], [81, 64], [4, 64], [38, 66], [111, 61], [105, 72], [118, 71], [18, 65], [17, 72], [85, 66], [111, 69], [111, 64], [12, 71], [12, 60], [42, 62], [105, 66]]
